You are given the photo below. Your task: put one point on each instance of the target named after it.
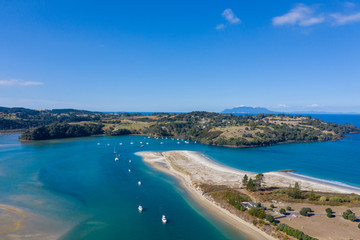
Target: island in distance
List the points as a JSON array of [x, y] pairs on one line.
[[248, 110]]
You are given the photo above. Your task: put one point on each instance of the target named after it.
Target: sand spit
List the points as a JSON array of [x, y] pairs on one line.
[[167, 163], [193, 168]]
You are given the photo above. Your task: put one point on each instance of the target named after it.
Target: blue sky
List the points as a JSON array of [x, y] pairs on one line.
[[180, 55]]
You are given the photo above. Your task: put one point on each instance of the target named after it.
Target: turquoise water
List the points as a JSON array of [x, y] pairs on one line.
[[77, 183]]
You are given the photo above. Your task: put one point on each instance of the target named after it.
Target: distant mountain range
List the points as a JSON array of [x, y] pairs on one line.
[[249, 110], [259, 110]]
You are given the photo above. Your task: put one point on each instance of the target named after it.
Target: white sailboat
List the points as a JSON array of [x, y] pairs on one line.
[[140, 208], [139, 183], [163, 219]]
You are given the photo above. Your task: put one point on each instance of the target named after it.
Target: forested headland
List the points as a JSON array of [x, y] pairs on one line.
[[205, 127]]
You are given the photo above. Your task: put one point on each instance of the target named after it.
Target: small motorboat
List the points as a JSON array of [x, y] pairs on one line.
[[129, 161], [163, 219], [140, 208], [141, 146], [139, 183], [116, 159], [129, 170]]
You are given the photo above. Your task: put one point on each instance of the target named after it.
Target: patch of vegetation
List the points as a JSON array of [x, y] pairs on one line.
[[348, 214], [269, 218], [258, 212], [250, 185], [305, 211], [294, 232], [295, 192], [233, 197], [62, 130], [339, 199], [329, 212], [323, 199], [356, 198], [268, 194]]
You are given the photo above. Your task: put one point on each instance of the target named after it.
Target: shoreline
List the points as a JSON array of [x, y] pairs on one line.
[[289, 174], [237, 223], [192, 168], [153, 136]]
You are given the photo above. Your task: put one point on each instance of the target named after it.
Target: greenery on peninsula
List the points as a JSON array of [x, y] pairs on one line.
[[205, 127]]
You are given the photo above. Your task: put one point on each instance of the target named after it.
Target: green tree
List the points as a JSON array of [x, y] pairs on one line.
[[269, 218], [259, 179], [282, 211], [295, 192], [245, 180], [348, 214], [329, 212], [257, 212], [250, 185], [304, 212]]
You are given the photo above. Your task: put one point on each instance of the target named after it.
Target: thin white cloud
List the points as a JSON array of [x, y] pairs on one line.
[[19, 82], [229, 15], [301, 15], [220, 27], [314, 105], [283, 105], [349, 4], [340, 19]]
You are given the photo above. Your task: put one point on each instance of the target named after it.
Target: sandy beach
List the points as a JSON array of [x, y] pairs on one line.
[[165, 162], [193, 168]]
